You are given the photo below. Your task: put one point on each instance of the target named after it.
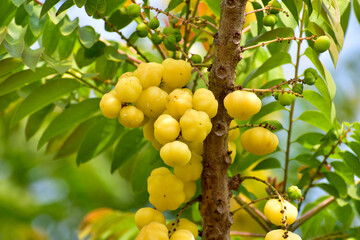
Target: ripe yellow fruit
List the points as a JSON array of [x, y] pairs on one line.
[[273, 211], [179, 101], [233, 133], [147, 215], [152, 101], [126, 75], [128, 89], [204, 100], [195, 125], [166, 129], [232, 149], [148, 130], [153, 231], [185, 224], [189, 190], [160, 171], [175, 154], [149, 74], [259, 141], [166, 191], [242, 104], [182, 234], [192, 170], [177, 73], [279, 234], [110, 105], [131, 117]]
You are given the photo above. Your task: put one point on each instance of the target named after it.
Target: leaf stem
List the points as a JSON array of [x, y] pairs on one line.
[[253, 202], [86, 82], [278, 39]]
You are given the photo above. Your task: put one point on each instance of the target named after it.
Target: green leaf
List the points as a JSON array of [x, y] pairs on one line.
[[101, 136], [173, 4], [101, 6], [351, 161], [90, 7], [68, 26], [44, 95], [267, 109], [314, 58], [80, 3], [319, 102], [88, 36], [338, 182], [356, 7], [7, 99], [269, 163], [306, 158], [309, 5], [3, 32], [274, 61], [14, 46], [31, 57], [48, 4], [50, 38], [18, 2], [74, 140], [20, 79], [341, 169], [128, 145], [21, 16], [214, 5], [310, 139], [259, 16], [329, 189], [290, 4], [316, 119], [66, 46], [112, 53], [106, 69], [61, 67], [69, 118], [354, 191], [66, 5], [119, 19], [355, 146], [9, 8], [10, 65], [36, 120]]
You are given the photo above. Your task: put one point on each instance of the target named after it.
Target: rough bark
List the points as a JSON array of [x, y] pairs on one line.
[[215, 204]]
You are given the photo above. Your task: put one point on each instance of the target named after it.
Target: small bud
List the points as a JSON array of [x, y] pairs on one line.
[[294, 192]]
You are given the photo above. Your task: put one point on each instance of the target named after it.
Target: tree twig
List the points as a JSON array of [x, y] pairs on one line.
[[86, 83]]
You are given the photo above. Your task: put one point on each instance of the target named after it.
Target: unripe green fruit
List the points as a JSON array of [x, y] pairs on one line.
[[294, 192], [156, 39], [154, 23], [177, 34], [286, 99], [270, 20], [310, 76], [133, 10], [168, 30], [322, 44], [169, 43], [142, 30], [275, 4], [276, 96], [298, 88], [196, 58]]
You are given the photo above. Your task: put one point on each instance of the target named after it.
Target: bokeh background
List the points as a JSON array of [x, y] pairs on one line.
[[42, 198]]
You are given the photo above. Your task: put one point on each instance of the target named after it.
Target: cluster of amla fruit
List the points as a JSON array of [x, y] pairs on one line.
[[176, 122], [281, 212]]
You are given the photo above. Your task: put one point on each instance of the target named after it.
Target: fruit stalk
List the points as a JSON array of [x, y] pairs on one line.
[[215, 204]]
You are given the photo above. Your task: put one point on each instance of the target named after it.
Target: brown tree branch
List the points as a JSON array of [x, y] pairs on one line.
[[306, 216]]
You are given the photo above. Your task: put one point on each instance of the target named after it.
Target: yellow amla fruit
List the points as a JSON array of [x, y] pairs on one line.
[[179, 101], [189, 190], [131, 117], [149, 74], [128, 89], [148, 130], [259, 141], [232, 149], [192, 170], [182, 234], [177, 73], [153, 231], [166, 129], [160, 171], [185, 224], [274, 209], [147, 215], [152, 101], [110, 105], [234, 133], [166, 191], [204, 100], [195, 125], [242, 105], [175, 154], [280, 234], [250, 17]]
